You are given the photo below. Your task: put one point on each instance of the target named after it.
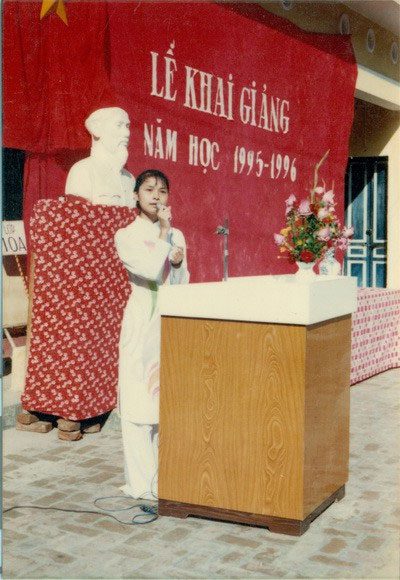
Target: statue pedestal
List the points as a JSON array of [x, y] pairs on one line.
[[254, 408]]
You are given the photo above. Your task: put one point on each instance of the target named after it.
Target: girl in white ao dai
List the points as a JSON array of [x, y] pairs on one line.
[[154, 253]]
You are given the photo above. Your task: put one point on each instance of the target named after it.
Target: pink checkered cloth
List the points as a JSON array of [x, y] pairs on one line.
[[375, 336]]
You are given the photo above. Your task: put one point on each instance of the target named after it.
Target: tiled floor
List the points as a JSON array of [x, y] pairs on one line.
[[356, 538]]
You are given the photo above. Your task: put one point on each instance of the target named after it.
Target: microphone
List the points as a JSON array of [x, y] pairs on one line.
[[161, 206]]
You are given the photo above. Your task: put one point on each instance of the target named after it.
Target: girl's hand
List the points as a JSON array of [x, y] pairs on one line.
[[176, 256], [164, 217]]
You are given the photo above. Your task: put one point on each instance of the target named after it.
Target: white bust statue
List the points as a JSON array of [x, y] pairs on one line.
[[101, 177]]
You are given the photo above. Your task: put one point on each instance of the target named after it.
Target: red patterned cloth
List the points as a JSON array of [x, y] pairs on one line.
[[375, 336], [80, 292]]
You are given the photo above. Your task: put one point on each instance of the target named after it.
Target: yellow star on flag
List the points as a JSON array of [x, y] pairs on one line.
[[60, 10]]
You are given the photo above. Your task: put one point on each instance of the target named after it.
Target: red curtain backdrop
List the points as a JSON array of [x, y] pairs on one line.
[[53, 74], [60, 73], [44, 178]]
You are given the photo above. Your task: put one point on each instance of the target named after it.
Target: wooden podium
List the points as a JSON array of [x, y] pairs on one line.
[[254, 407]]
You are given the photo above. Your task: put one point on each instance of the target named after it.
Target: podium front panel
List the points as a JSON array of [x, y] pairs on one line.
[[232, 410]]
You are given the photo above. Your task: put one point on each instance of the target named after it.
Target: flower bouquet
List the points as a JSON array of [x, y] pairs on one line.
[[312, 227]]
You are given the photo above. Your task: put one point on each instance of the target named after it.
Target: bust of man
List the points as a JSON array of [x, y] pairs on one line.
[[101, 177]]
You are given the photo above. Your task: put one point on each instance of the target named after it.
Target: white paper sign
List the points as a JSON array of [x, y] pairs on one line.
[[13, 238]]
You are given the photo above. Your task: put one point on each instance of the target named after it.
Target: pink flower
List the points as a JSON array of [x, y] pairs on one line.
[[324, 234], [348, 232], [304, 207], [289, 203], [342, 243], [279, 239], [323, 212], [290, 200], [328, 197]]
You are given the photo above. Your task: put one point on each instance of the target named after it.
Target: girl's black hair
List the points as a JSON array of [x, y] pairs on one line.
[[151, 173]]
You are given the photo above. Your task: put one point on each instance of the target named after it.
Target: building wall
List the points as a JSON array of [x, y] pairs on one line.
[[376, 130], [15, 301], [375, 133], [325, 17]]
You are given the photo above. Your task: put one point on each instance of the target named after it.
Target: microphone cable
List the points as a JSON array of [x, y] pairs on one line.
[[149, 512]]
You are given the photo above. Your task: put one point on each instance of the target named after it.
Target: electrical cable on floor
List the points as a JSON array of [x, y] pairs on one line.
[[150, 512]]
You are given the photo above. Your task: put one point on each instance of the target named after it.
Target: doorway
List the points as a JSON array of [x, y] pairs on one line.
[[365, 210]]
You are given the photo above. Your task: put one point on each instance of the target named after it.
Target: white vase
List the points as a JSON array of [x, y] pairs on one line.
[[329, 265], [305, 270]]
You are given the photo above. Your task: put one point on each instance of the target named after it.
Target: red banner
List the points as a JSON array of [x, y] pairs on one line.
[[237, 110], [234, 104]]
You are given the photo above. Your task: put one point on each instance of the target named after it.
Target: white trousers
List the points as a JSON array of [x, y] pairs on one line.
[[140, 444]]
